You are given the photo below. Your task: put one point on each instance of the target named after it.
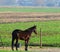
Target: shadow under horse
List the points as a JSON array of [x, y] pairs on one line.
[[22, 35]]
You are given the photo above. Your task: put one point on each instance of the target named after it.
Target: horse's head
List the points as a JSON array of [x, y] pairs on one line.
[[34, 29]]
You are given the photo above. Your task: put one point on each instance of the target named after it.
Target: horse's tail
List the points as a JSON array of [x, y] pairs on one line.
[[13, 38]]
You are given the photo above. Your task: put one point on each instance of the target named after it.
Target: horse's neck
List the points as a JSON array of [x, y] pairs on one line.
[[30, 31]]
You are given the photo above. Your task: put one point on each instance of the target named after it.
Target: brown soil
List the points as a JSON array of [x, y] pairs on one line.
[[25, 17], [36, 49]]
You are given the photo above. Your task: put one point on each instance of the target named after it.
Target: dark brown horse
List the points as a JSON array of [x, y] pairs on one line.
[[22, 35]]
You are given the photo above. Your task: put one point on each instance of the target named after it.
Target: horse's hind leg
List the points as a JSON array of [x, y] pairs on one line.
[[16, 43], [13, 43]]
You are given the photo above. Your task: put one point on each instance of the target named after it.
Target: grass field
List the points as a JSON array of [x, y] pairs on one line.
[[19, 9], [50, 32], [10, 51], [50, 29], [13, 51]]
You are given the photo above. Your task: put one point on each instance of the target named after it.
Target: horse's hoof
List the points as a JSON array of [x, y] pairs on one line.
[[26, 50]]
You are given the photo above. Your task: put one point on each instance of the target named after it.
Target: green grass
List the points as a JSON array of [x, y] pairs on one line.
[[50, 32], [14, 9], [12, 51]]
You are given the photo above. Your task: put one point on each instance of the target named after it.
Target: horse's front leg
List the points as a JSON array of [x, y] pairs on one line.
[[16, 43], [26, 45]]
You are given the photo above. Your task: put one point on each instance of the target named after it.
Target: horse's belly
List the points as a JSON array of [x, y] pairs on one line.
[[21, 38]]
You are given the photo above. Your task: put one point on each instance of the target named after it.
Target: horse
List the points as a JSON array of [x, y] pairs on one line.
[[22, 35]]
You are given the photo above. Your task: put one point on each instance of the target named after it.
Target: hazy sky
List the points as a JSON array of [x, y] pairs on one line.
[[30, 2]]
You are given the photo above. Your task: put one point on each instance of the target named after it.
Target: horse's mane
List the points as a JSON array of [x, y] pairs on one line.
[[30, 28]]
